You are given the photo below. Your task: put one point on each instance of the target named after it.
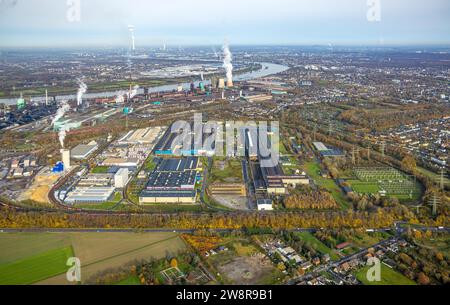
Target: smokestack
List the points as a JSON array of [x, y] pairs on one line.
[[65, 154], [46, 97], [221, 83]]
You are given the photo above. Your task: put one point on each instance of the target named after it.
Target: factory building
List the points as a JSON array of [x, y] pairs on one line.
[[167, 146], [264, 204], [228, 189], [90, 195], [121, 178], [82, 151], [142, 136], [97, 180], [326, 151], [172, 181], [121, 162]]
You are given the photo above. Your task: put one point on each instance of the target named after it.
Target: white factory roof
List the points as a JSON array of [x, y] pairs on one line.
[[90, 194], [83, 151], [141, 136], [320, 146]]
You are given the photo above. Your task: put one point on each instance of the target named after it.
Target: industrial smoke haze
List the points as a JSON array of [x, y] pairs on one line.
[[81, 90], [133, 92], [131, 29], [120, 99], [63, 108], [227, 64]]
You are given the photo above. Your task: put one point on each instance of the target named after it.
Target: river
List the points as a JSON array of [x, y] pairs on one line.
[[267, 69]]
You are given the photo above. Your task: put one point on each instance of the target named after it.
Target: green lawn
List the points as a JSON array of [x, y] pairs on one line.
[[231, 173], [35, 268], [130, 281], [388, 277], [312, 241], [313, 169], [100, 170]]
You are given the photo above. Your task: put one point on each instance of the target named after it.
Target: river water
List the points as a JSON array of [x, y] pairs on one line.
[[267, 69]]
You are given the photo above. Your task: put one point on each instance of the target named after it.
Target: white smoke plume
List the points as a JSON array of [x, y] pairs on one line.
[[133, 92], [119, 98], [227, 61], [131, 29], [62, 135], [81, 90], [64, 107]]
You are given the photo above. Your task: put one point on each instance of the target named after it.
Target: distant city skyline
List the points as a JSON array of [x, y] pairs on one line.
[[48, 23]]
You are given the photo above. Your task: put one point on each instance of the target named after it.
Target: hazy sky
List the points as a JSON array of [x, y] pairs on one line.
[[185, 22]]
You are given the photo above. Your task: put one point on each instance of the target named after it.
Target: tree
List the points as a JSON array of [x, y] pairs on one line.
[[174, 263], [409, 163], [422, 279]]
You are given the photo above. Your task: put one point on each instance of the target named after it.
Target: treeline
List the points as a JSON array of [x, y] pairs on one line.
[[313, 200], [280, 220], [422, 263], [381, 120]]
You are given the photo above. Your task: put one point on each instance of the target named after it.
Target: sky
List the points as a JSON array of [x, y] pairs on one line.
[[53, 23]]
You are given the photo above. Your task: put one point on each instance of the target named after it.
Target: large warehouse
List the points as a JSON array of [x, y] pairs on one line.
[[172, 181], [82, 151], [90, 195]]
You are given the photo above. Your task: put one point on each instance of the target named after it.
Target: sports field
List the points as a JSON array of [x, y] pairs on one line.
[[388, 277], [45, 254], [386, 181]]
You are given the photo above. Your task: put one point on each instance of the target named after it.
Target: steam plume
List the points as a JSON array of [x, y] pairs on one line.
[[64, 107], [133, 92], [227, 62], [81, 90], [131, 29]]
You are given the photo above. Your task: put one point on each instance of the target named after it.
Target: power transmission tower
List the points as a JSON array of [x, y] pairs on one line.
[[353, 156], [441, 179], [434, 202], [315, 131], [330, 129], [383, 148], [418, 207]]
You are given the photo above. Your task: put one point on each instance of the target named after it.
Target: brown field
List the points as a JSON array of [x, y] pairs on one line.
[[248, 270], [96, 251], [38, 191]]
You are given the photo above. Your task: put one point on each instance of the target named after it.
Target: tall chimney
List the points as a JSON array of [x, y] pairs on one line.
[[66, 158]]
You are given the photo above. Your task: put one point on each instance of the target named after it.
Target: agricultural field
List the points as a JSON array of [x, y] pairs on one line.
[[46, 253], [35, 268], [388, 181], [388, 277]]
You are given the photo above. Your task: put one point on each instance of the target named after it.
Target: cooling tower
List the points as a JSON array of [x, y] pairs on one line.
[[229, 83]]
